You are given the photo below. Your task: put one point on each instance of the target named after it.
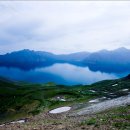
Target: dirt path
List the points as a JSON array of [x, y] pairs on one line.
[[102, 106]]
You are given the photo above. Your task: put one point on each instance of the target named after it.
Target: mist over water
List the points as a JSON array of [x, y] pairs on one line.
[[66, 74]]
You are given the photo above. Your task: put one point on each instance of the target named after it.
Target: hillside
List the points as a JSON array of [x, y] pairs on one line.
[[23, 100]]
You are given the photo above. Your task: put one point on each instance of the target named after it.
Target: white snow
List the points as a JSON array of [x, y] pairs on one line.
[[114, 85], [62, 100], [103, 97], [13, 122], [97, 100], [2, 125], [105, 92], [19, 121], [125, 90], [60, 110], [93, 101], [93, 91], [111, 93]]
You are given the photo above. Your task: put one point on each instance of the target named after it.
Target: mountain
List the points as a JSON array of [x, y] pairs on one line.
[[79, 56], [73, 58], [106, 61], [117, 60], [29, 59]]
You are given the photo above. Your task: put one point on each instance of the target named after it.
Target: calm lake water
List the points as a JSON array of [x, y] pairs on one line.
[[59, 73]]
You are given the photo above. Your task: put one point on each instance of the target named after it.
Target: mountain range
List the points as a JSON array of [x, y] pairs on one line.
[[117, 60]]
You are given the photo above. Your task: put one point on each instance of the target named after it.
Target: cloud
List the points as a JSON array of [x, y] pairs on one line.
[[64, 27]]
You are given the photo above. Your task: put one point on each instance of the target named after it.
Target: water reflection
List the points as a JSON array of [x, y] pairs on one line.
[[58, 73]]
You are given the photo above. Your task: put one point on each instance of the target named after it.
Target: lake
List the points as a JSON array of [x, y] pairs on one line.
[[66, 74]]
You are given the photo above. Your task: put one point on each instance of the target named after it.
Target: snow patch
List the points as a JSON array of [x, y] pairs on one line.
[[60, 110], [2, 125], [93, 101], [93, 91], [124, 90], [62, 100], [19, 121], [13, 122], [105, 92], [114, 85]]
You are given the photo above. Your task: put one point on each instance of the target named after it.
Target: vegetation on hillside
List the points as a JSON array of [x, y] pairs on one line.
[[20, 100]]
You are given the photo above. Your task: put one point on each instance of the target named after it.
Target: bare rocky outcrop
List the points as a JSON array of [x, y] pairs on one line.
[[102, 106]]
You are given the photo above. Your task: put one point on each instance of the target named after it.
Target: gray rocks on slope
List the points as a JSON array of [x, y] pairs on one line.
[[102, 106]]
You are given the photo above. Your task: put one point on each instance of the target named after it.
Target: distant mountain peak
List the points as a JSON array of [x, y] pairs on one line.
[[103, 50], [25, 50], [128, 76], [122, 49], [20, 51]]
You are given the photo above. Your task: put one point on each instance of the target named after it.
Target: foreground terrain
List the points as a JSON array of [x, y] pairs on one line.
[[32, 102], [114, 119]]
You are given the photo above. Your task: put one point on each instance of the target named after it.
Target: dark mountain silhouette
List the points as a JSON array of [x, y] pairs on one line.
[[73, 58], [109, 61], [127, 77], [26, 59], [29, 59], [106, 61], [79, 56]]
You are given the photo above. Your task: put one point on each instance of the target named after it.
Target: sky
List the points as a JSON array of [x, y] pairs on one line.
[[63, 27]]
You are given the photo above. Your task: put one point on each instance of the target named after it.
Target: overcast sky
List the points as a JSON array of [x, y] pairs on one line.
[[64, 27]]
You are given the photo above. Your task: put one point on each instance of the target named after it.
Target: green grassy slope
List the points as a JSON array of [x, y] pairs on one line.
[[114, 119], [20, 100]]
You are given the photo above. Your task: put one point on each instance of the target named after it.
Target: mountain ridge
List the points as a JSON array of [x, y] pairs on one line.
[[103, 60]]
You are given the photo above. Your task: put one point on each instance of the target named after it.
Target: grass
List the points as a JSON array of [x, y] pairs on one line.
[[91, 121], [20, 100], [118, 118]]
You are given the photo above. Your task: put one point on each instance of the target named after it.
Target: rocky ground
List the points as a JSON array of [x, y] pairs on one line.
[[92, 106], [110, 119], [102, 106]]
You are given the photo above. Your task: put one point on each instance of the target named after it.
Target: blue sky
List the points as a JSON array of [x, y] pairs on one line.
[[64, 27]]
